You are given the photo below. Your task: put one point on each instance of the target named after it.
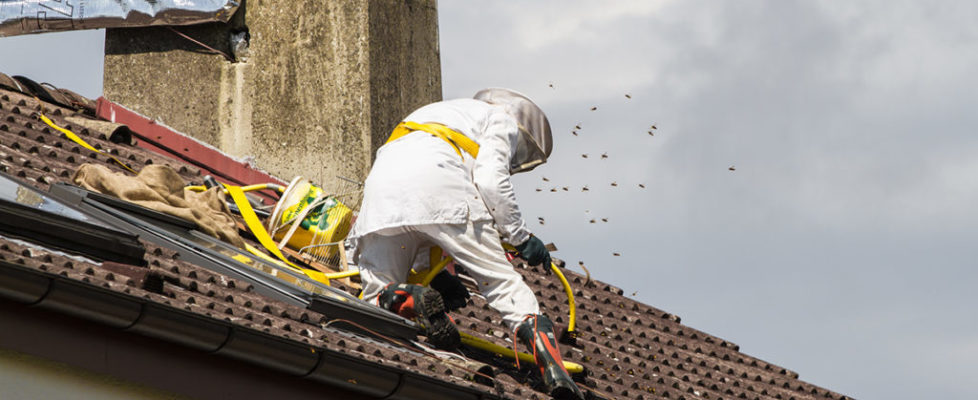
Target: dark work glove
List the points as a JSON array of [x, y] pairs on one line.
[[452, 292], [534, 252]]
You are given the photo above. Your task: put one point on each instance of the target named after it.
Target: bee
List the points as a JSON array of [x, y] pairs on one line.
[[732, 168], [539, 190], [565, 188], [604, 220], [540, 219], [651, 133], [577, 127], [641, 185], [594, 108], [551, 84], [553, 189], [653, 127], [593, 221], [584, 155], [628, 96], [585, 188], [616, 254], [615, 184], [603, 156], [574, 133], [545, 179]]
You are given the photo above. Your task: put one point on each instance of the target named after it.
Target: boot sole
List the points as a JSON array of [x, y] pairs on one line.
[[438, 327]]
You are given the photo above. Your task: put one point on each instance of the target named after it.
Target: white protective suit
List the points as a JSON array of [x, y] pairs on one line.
[[421, 193]]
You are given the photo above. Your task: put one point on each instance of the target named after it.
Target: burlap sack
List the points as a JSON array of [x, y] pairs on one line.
[[160, 188]]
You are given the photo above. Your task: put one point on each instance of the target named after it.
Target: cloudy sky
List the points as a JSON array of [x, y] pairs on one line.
[[840, 246]]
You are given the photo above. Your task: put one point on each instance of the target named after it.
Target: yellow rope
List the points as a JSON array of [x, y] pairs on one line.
[[75, 138]]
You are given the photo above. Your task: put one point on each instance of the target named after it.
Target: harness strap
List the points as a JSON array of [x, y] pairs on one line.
[[458, 141], [256, 227]]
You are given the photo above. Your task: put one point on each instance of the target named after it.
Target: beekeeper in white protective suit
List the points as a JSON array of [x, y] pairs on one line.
[[443, 179]]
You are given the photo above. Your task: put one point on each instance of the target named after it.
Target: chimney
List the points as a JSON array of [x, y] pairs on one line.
[[323, 84]]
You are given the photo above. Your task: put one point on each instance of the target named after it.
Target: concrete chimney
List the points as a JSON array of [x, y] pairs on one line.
[[323, 83]]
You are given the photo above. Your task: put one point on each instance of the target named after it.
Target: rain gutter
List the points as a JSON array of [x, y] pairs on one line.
[[138, 315]]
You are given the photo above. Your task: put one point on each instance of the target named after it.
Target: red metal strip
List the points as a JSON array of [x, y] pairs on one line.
[[165, 141]]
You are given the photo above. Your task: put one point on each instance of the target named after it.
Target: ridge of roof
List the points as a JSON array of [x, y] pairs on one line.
[[632, 350]]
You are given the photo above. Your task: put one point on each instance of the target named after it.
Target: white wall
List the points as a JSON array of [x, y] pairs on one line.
[[24, 376]]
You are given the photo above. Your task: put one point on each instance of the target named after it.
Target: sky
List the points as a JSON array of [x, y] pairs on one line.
[[808, 191]]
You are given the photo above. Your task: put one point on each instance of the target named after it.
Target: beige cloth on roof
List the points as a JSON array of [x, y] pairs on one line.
[[160, 188]]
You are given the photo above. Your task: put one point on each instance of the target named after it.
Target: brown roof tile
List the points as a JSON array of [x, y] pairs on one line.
[[631, 350]]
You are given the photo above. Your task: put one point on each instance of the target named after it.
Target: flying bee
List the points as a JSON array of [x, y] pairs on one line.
[[603, 156], [616, 254], [594, 108], [732, 168], [628, 96], [584, 155], [615, 184], [641, 186]]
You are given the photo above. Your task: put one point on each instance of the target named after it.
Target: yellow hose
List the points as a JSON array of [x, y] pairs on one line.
[[249, 188], [344, 274], [486, 345], [434, 270], [570, 297]]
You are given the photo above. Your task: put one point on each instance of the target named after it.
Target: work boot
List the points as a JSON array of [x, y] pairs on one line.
[[536, 332], [426, 307]]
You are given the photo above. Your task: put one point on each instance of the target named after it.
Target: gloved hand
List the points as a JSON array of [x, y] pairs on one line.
[[534, 252], [451, 289]]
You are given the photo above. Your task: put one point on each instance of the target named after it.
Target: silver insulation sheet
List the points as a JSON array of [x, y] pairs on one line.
[[19, 17]]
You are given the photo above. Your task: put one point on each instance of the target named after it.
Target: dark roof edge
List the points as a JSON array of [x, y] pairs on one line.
[[133, 314]]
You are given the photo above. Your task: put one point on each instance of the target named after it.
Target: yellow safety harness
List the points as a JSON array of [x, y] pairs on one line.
[[458, 141]]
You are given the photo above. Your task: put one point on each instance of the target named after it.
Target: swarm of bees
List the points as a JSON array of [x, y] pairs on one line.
[[576, 131]]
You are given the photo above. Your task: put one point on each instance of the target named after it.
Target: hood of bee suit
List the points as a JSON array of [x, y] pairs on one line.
[[535, 141]]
